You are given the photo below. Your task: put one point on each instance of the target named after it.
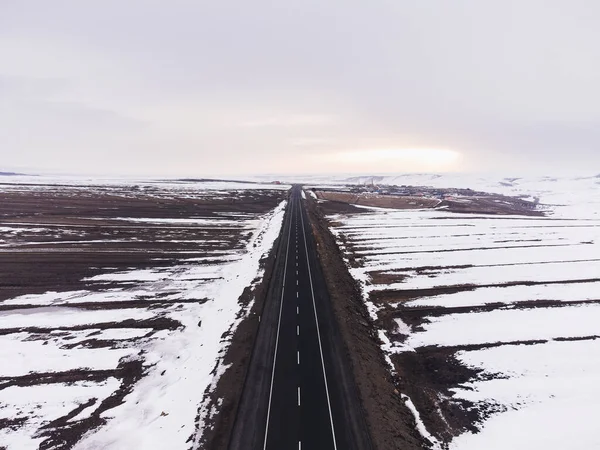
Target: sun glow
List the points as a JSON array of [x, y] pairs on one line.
[[405, 159]]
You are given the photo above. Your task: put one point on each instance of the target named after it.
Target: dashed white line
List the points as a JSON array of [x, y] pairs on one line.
[[297, 330], [298, 357], [312, 291], [298, 395], [297, 310]]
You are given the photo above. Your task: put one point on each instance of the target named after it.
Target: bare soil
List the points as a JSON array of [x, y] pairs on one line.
[[63, 235], [429, 374], [390, 421], [380, 201], [388, 296], [227, 393], [469, 202], [427, 377]]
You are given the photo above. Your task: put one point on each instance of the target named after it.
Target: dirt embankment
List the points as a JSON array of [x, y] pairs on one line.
[[380, 201], [476, 203], [228, 390], [390, 421]]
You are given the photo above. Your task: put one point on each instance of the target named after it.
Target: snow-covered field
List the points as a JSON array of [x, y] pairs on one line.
[[117, 306], [516, 299]]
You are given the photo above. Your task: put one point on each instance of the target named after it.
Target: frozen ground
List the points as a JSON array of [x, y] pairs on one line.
[[117, 303], [490, 320]]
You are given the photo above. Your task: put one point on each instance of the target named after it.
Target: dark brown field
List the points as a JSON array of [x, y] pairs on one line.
[[54, 240]]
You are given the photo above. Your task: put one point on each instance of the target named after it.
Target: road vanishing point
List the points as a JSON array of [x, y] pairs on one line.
[[299, 391]]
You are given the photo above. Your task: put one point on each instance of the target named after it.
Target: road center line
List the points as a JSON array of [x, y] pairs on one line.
[[297, 330], [298, 357], [298, 395]]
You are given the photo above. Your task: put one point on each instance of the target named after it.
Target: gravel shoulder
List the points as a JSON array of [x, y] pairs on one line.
[[391, 423]]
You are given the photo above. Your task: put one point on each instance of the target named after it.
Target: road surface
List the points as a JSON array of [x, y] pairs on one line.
[[299, 391]]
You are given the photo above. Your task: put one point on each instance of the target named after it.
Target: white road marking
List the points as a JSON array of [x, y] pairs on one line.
[[312, 291], [298, 395], [297, 330], [299, 445], [298, 357], [296, 295], [296, 282], [277, 341], [297, 310]]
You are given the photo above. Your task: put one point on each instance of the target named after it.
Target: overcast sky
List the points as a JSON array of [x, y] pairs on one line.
[[192, 87]]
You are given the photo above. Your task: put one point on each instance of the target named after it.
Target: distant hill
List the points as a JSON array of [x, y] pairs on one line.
[[9, 174]]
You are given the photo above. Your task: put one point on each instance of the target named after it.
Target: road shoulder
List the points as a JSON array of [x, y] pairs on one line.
[[390, 422]]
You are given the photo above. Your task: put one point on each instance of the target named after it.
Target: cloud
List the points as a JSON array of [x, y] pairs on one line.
[[297, 120], [43, 132], [312, 142], [396, 159], [206, 87]]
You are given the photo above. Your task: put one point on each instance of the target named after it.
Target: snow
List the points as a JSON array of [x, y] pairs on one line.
[[82, 296], [435, 445], [168, 406], [511, 294], [581, 270], [507, 325], [145, 184], [551, 396], [50, 357], [545, 393], [187, 360], [188, 221], [132, 275], [69, 317], [402, 327], [574, 196], [42, 403]]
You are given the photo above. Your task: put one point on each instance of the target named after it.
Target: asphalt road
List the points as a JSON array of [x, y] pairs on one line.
[[299, 391]]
